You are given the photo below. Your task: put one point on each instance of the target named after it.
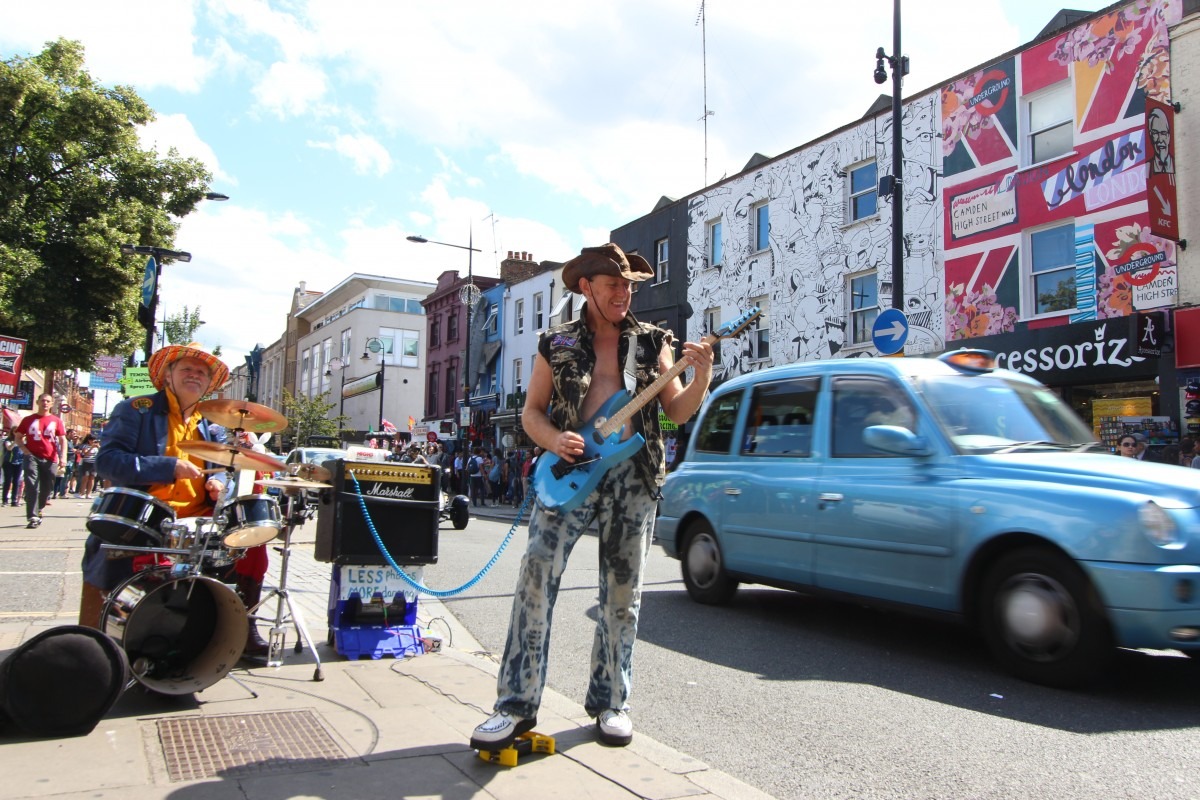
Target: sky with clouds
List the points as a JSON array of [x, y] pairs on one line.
[[339, 127]]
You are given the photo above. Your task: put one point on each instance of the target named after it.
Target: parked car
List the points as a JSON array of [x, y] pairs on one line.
[[312, 455], [942, 485]]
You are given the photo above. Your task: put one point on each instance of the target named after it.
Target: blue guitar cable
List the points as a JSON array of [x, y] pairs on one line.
[[420, 587]]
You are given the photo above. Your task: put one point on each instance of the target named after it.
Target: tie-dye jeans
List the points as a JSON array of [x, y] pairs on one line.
[[623, 508]]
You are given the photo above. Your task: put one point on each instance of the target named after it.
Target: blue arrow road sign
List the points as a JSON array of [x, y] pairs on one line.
[[890, 331]]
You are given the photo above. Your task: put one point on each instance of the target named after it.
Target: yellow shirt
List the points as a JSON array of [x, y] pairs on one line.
[[186, 496]]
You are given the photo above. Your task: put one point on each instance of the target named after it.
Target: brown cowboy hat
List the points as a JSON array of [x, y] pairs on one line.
[[171, 353], [607, 259]]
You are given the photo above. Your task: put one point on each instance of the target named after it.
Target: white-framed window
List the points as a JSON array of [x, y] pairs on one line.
[[712, 321], [716, 244], [864, 192], [563, 304], [1052, 269], [1050, 121], [759, 333], [304, 372], [762, 226], [518, 378], [519, 317], [410, 348], [539, 318], [391, 302], [863, 291], [346, 337], [660, 261], [491, 324]]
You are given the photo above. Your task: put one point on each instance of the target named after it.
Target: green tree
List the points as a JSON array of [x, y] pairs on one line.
[[74, 186], [181, 328], [307, 417]]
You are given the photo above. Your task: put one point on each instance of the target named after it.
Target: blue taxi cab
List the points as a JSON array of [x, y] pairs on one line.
[[943, 485]]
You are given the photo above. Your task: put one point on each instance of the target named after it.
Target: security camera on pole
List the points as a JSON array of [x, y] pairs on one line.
[[892, 185]]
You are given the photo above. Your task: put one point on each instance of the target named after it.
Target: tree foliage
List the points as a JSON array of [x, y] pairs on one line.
[[181, 328], [74, 186], [307, 417]]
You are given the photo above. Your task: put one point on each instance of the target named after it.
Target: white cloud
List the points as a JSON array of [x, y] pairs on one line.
[[368, 155], [289, 88], [159, 50]]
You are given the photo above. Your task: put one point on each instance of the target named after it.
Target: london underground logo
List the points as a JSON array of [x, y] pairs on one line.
[[992, 93], [1142, 268]]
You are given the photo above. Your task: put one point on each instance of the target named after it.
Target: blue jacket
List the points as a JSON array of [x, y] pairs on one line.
[[134, 439]]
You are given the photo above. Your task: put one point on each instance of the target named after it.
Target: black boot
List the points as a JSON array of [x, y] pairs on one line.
[[250, 590]]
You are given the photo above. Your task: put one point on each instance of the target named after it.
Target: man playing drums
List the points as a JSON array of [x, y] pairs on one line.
[[140, 449]]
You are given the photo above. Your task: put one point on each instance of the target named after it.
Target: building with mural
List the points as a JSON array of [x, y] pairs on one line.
[[1061, 213], [1042, 221]]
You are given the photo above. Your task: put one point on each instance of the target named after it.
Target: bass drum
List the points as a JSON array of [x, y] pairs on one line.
[[182, 633]]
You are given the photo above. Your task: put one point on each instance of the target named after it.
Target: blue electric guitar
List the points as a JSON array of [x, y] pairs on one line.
[[563, 485]]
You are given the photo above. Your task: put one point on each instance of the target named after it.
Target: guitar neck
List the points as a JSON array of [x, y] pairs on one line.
[[618, 420]]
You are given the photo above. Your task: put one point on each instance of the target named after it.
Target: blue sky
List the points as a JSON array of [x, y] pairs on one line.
[[339, 128]]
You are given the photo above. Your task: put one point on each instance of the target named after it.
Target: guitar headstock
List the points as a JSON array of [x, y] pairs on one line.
[[736, 326]]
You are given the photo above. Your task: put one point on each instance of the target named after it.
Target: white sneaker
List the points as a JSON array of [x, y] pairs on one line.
[[499, 730], [615, 728]]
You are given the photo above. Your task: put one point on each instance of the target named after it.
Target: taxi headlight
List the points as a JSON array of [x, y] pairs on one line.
[[1157, 525]]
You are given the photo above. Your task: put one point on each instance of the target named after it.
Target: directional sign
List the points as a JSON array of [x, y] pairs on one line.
[[890, 331]]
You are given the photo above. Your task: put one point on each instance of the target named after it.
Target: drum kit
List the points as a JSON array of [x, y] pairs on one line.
[[182, 628]]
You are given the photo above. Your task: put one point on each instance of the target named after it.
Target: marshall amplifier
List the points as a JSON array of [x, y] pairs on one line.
[[402, 501]]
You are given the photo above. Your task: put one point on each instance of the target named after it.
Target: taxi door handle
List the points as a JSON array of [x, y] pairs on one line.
[[831, 497], [733, 492]]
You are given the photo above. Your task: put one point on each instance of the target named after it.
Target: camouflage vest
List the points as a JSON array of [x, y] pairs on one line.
[[569, 351]]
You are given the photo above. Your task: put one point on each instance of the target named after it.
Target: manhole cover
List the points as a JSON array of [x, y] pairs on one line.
[[238, 744]]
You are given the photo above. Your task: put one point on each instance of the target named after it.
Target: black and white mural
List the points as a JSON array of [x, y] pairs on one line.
[[813, 249]]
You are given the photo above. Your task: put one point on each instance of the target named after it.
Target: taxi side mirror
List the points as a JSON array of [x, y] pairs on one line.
[[896, 440]]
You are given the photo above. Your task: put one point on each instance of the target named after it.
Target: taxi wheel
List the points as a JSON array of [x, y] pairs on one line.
[[1043, 620], [703, 567]]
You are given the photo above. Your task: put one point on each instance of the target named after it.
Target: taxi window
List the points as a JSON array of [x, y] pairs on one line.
[[715, 434], [859, 403], [781, 418]]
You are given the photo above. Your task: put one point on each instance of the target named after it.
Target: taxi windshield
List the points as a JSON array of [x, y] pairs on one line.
[[990, 413]]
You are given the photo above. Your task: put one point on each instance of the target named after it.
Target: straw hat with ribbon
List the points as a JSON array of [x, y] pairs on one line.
[[171, 353]]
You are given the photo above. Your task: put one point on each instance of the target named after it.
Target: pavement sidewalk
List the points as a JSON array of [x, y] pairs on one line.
[[387, 727]]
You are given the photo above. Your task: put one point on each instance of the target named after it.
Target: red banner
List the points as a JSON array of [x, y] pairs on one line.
[[12, 353], [1160, 178]]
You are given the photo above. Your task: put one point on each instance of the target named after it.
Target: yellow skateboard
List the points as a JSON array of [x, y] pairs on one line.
[[526, 743]]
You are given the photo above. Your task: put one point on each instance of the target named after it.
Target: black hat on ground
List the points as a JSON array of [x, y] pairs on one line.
[[62, 682]]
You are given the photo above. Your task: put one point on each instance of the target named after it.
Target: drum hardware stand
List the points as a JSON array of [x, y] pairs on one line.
[[283, 599]]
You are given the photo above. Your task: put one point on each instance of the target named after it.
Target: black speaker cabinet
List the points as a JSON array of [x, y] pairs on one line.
[[402, 503]]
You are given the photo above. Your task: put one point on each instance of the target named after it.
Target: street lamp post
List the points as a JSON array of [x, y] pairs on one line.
[[894, 186], [469, 295], [158, 257], [340, 364], [376, 345]]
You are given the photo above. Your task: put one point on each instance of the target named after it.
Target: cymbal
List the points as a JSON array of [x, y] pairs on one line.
[[242, 414], [291, 483], [231, 455], [310, 472]]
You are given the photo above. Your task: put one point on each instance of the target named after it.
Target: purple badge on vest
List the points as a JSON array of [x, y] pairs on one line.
[[563, 341]]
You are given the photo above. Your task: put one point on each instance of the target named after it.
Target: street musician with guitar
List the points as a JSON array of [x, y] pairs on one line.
[[585, 369]]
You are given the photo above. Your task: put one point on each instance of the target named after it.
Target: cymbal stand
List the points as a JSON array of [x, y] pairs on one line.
[[295, 514]]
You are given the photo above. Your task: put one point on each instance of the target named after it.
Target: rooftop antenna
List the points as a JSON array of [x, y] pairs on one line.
[[700, 20], [495, 245]]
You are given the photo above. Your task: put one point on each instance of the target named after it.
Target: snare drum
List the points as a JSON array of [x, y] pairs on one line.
[[251, 521], [201, 540], [128, 517]]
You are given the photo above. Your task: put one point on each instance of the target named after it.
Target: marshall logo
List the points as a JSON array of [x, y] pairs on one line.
[[393, 492], [8, 364]]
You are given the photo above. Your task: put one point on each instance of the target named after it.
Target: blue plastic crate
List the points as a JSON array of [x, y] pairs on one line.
[[399, 641]]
